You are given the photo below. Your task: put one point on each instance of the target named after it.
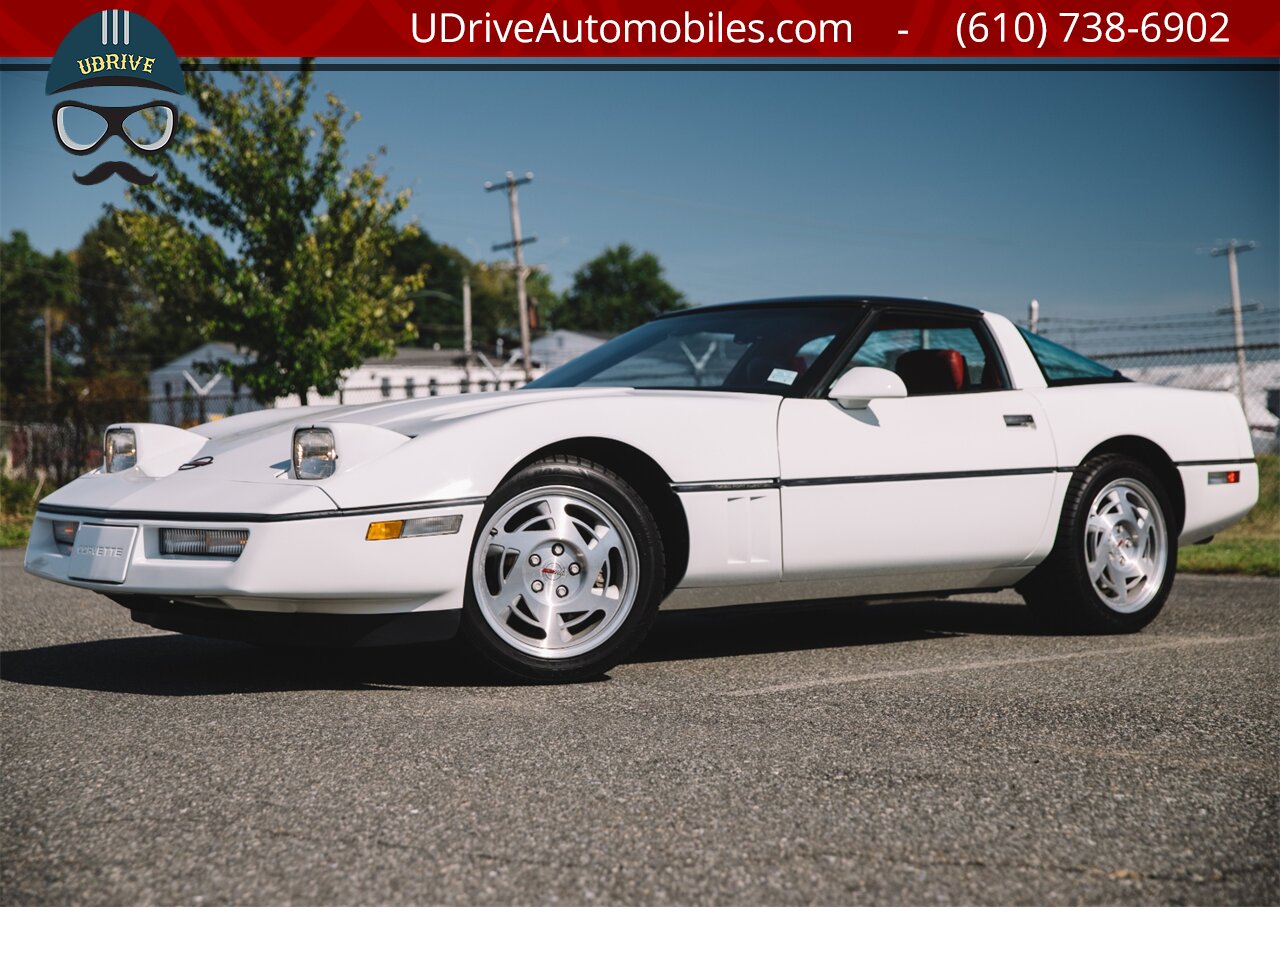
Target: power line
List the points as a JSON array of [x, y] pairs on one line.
[[1182, 351], [1161, 318]]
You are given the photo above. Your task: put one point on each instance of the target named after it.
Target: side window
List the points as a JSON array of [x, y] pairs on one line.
[[933, 355]]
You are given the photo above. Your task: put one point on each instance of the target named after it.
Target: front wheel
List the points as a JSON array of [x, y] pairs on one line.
[[1112, 565], [566, 572]]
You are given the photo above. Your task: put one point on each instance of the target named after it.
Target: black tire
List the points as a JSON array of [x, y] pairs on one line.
[[499, 632], [1062, 589]]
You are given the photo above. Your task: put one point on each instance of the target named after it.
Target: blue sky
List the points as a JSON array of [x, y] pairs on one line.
[[1099, 193]]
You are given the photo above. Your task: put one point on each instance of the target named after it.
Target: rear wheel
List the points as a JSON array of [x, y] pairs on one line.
[[1113, 562], [566, 572]]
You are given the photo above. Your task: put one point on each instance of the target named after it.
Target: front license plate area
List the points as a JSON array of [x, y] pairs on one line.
[[101, 553]]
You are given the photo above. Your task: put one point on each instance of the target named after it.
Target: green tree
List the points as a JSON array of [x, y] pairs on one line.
[[616, 291], [437, 312], [119, 327], [493, 303], [437, 308], [256, 235], [35, 289]]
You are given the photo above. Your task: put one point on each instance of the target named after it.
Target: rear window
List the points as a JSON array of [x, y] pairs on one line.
[[1062, 367]]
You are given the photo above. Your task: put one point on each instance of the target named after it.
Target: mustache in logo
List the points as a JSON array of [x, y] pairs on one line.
[[126, 171]]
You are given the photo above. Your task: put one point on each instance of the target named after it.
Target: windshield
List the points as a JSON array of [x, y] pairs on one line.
[[775, 351], [1062, 367]]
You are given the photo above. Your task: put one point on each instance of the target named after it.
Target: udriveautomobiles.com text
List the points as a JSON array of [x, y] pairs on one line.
[[710, 28]]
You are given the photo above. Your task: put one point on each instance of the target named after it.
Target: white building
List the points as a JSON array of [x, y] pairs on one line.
[[183, 394], [558, 347], [419, 372]]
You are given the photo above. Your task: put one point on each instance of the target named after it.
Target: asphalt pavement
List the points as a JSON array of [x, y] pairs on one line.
[[934, 752]]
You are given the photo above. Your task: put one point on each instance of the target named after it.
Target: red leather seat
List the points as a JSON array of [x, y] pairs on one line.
[[933, 371]]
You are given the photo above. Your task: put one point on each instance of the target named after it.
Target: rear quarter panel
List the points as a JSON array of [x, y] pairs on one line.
[[1200, 431]]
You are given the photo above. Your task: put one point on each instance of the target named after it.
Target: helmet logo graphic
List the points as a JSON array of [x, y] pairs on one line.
[[115, 48]]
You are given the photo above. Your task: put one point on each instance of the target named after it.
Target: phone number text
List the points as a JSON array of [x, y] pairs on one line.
[[1034, 28]]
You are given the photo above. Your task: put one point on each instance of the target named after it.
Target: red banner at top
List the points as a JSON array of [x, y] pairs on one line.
[[518, 29]]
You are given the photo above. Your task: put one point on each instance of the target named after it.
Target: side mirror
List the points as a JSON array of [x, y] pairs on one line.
[[859, 386]]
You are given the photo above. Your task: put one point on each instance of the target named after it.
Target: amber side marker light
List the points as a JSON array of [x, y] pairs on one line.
[[1224, 476], [421, 527]]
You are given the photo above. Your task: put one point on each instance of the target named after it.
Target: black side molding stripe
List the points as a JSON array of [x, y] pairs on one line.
[[1233, 462], [192, 517], [725, 485], [731, 485], [908, 477]]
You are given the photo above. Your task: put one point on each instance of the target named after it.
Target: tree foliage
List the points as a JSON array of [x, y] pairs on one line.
[[616, 291], [494, 305], [437, 312], [118, 326], [35, 288], [108, 331], [437, 307], [255, 233]]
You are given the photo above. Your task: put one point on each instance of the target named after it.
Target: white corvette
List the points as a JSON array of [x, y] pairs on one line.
[[822, 447]]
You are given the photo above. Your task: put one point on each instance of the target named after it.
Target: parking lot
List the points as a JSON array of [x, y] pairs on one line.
[[941, 752]]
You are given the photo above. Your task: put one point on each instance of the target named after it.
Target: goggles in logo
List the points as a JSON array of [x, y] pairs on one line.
[[83, 127]]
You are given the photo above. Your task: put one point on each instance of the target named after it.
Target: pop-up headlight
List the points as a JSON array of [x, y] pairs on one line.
[[119, 450], [314, 454]]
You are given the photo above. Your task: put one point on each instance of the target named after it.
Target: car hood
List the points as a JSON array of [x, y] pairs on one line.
[[409, 417], [256, 446], [473, 439]]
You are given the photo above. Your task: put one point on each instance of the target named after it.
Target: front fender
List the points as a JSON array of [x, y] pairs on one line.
[[693, 439]]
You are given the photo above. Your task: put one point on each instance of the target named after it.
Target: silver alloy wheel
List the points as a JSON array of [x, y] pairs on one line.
[[555, 572], [1125, 545]]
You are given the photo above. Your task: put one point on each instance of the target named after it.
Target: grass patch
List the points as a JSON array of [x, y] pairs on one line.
[[1252, 545], [17, 510]]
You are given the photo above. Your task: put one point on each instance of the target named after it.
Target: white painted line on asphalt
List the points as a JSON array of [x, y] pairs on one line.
[[987, 664]]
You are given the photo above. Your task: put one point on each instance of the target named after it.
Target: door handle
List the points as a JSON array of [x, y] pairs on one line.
[[1019, 420]]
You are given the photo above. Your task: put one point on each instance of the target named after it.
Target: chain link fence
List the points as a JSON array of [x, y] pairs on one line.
[[56, 442], [1194, 351]]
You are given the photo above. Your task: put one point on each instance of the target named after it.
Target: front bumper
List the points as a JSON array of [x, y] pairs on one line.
[[318, 565]]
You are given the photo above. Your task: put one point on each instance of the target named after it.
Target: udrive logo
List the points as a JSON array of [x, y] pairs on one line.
[[114, 48]]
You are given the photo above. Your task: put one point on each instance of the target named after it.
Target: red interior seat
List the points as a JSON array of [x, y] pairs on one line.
[[933, 371]]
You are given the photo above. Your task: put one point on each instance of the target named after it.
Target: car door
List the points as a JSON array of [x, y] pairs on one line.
[[957, 475]]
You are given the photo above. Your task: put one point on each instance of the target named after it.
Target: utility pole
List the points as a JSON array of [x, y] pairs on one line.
[[48, 354], [517, 244], [466, 316], [1033, 316], [1230, 251], [466, 329]]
